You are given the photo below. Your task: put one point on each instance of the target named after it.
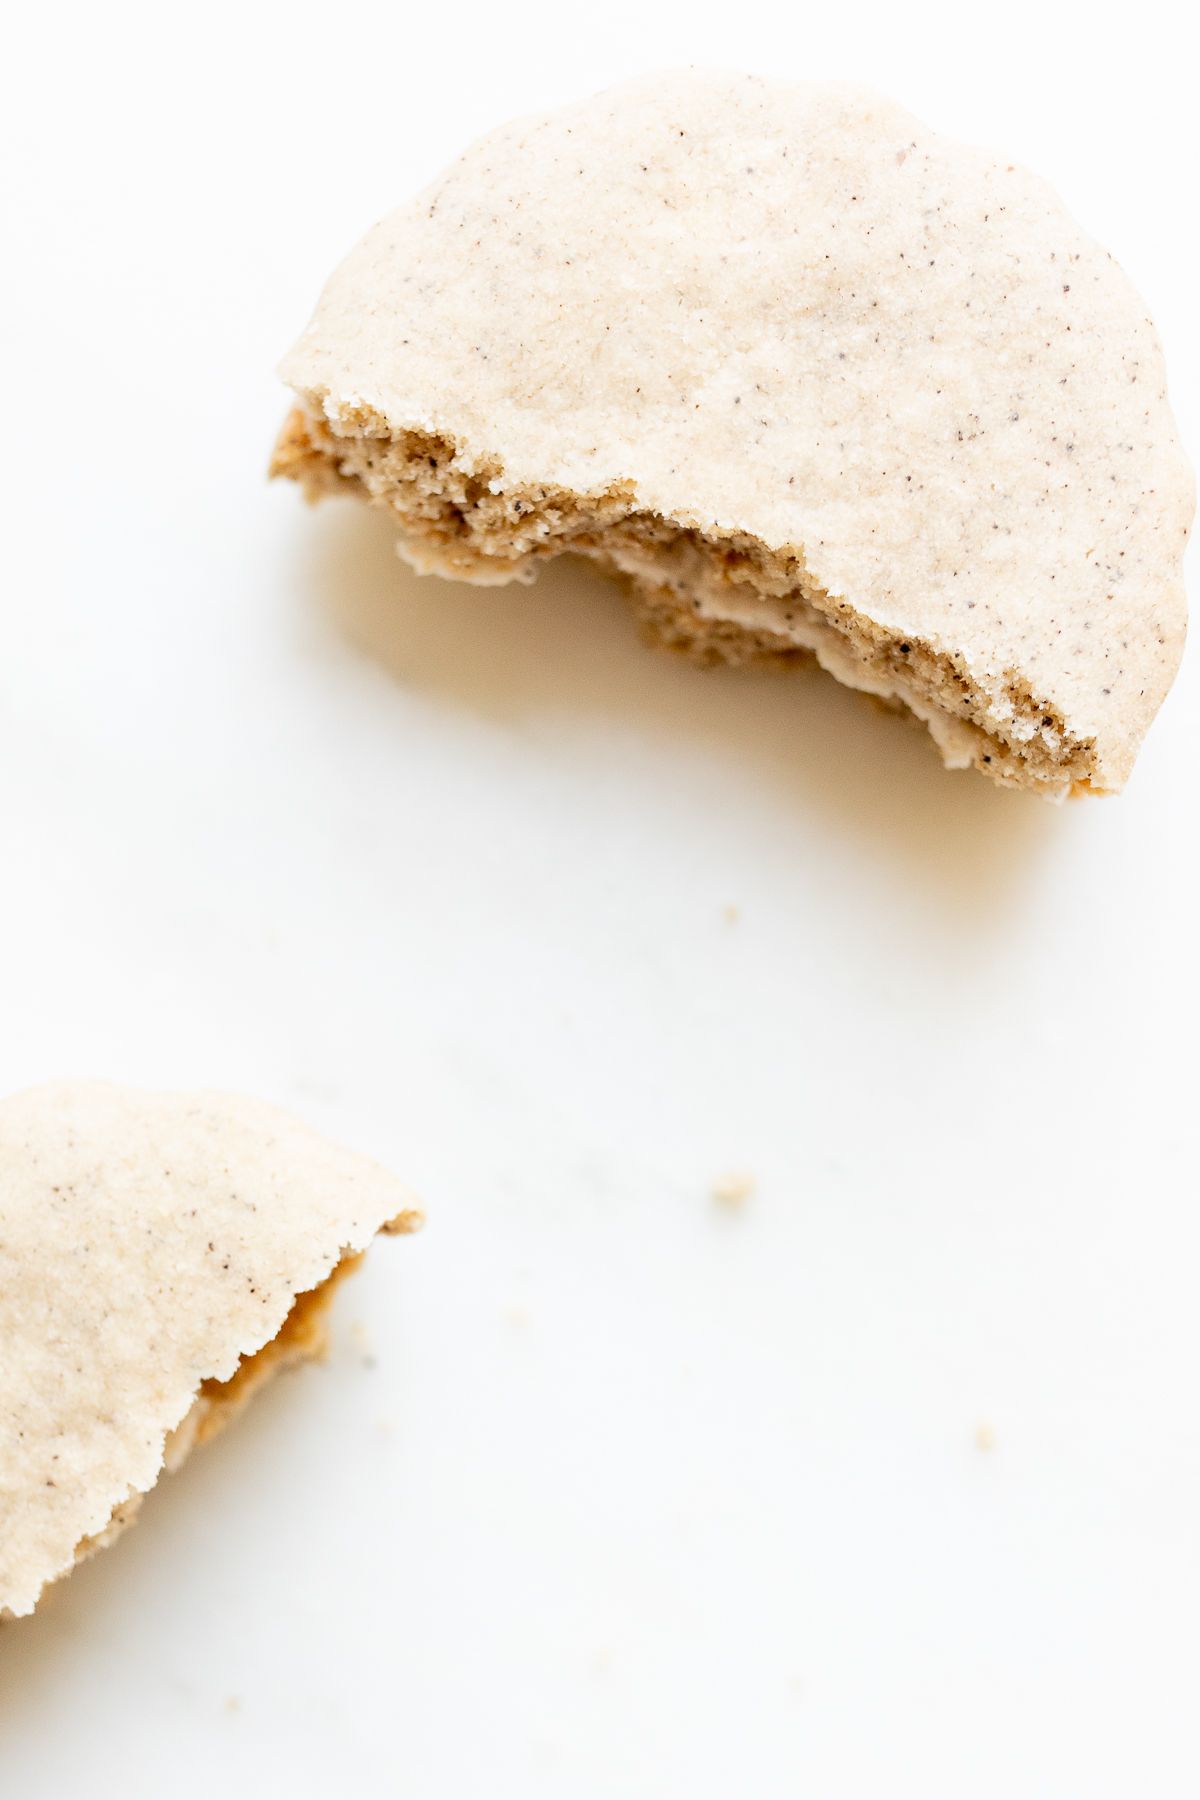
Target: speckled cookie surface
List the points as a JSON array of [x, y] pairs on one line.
[[147, 1242], [792, 312]]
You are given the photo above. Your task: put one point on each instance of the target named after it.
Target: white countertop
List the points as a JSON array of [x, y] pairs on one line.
[[887, 1482]]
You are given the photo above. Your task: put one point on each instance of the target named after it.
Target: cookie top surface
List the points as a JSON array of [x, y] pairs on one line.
[[794, 312], [147, 1242]]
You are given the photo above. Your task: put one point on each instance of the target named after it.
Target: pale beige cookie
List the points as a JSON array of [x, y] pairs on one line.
[[812, 379], [161, 1255]]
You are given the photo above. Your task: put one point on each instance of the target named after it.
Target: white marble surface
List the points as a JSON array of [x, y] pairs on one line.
[[886, 1483]]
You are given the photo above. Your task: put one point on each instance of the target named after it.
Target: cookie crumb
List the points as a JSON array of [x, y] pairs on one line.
[[731, 914], [985, 1438], [734, 1189]]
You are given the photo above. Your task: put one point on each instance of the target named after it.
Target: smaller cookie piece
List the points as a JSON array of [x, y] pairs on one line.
[[161, 1257]]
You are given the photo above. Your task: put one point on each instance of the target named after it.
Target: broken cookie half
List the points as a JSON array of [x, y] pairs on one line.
[[813, 380], [161, 1256]]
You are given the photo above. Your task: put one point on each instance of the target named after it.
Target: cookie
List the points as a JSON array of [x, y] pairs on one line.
[[812, 380], [161, 1256]]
